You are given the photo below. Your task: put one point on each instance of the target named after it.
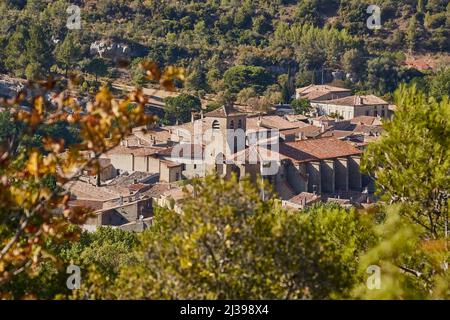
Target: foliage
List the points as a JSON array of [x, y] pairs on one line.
[[229, 244], [240, 77], [68, 52], [440, 84], [301, 106], [98, 67], [411, 161], [411, 265], [308, 37], [33, 212], [382, 74], [179, 108]]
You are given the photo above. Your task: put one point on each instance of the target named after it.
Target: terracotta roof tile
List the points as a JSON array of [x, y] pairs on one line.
[[317, 149], [305, 198], [321, 88], [357, 101], [272, 122], [367, 120]]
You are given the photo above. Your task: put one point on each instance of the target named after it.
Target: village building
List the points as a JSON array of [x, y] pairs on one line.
[[321, 93], [353, 106]]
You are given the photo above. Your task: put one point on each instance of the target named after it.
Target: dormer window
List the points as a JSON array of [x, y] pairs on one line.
[[231, 124], [216, 125]]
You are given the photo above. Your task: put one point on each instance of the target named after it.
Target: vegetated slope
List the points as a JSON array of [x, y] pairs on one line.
[[308, 39]]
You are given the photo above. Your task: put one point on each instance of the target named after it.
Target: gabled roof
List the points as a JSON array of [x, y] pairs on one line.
[[320, 92], [272, 122], [358, 101], [255, 153], [223, 112], [320, 88], [367, 120], [317, 149], [305, 198], [324, 118], [295, 117]]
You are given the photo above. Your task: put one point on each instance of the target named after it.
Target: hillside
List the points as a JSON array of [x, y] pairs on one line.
[[295, 42]]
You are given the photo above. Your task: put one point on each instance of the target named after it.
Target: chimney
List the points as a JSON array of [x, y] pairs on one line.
[[126, 143], [201, 114], [192, 117]]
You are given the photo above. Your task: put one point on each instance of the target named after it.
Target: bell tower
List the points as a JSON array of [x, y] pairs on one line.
[[232, 126]]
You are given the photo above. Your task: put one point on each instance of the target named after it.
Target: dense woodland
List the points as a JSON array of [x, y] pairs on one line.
[[228, 243], [265, 48]]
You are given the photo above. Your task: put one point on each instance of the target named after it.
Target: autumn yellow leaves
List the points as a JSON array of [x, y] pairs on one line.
[[32, 209]]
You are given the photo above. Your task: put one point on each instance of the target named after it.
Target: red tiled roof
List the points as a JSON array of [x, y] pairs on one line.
[[304, 198], [317, 149], [366, 120], [356, 101], [308, 131], [296, 117], [321, 88], [138, 186], [272, 122]]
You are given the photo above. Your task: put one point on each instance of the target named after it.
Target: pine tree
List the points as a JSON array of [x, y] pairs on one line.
[[412, 34], [98, 67], [68, 53], [37, 52], [15, 60]]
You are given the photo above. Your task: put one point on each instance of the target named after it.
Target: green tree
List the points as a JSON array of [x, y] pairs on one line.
[[98, 67], [245, 94], [179, 109], [107, 248], [196, 79], [301, 106], [354, 63], [382, 74], [240, 77], [15, 59], [412, 266], [411, 162], [38, 52], [413, 35], [440, 84], [229, 244], [68, 52], [137, 73]]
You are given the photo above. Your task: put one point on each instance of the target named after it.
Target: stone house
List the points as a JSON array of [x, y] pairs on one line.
[[321, 93], [353, 106]]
